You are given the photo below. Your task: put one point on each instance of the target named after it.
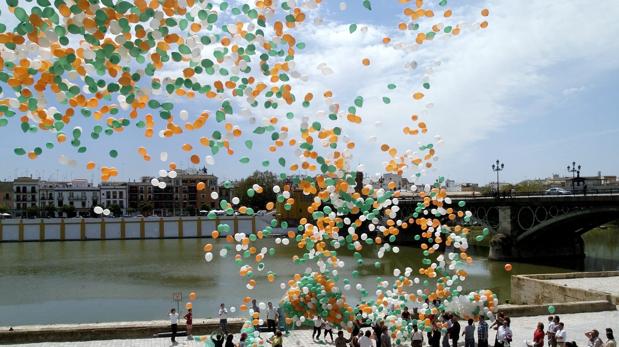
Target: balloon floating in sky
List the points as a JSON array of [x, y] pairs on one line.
[[80, 73]]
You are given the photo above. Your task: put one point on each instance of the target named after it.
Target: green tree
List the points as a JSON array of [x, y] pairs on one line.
[[266, 180], [146, 208], [50, 211], [32, 211], [116, 210], [4, 209], [529, 186], [68, 211]]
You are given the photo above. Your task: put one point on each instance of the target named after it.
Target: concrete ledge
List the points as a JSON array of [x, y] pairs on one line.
[[561, 308], [538, 289], [105, 331]]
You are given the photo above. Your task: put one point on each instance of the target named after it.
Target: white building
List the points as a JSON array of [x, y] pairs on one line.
[[79, 193], [114, 193], [401, 183]]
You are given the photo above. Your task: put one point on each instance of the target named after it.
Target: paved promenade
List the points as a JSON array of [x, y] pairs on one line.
[[603, 284], [575, 324]]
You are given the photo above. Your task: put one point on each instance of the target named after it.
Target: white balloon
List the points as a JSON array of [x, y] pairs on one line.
[[343, 6], [163, 173], [106, 212], [172, 174], [236, 200], [163, 156], [98, 209], [162, 185], [208, 256], [154, 182], [184, 115], [209, 160], [232, 309], [214, 195]]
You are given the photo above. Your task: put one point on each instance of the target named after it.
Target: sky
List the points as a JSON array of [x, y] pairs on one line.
[[537, 90]]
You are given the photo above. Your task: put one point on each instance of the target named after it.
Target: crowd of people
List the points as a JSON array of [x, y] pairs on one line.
[[474, 334]]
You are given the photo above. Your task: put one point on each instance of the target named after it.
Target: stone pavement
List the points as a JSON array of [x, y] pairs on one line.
[[603, 284], [575, 324]]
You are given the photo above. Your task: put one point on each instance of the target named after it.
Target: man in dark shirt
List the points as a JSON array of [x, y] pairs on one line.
[[454, 331]]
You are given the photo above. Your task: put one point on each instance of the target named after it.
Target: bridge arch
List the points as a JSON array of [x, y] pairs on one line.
[[578, 221]]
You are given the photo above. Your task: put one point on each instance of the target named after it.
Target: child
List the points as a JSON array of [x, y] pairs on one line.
[[189, 319], [328, 330]]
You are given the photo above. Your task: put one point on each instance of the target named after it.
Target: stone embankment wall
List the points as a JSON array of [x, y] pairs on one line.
[[65, 229]]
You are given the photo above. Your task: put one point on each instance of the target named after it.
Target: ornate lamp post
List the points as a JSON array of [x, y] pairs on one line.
[[497, 167], [575, 170]]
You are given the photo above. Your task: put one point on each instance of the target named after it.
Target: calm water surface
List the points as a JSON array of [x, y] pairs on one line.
[[97, 281]]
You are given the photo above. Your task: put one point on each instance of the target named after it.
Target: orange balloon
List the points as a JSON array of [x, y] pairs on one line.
[[193, 296], [508, 267]]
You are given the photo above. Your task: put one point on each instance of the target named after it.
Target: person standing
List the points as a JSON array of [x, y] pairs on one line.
[[504, 334], [538, 335], [551, 330], [454, 331], [223, 318], [173, 324], [594, 338], [405, 314], [469, 334], [366, 340], [482, 333], [385, 338], [328, 329], [611, 338], [561, 335], [256, 315], [434, 338], [317, 328], [416, 337], [340, 340], [189, 323], [354, 341], [229, 342], [271, 317]]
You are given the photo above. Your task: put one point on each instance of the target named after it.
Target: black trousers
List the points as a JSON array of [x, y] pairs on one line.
[[174, 330], [454, 342], [271, 325], [330, 331], [482, 343], [316, 332]]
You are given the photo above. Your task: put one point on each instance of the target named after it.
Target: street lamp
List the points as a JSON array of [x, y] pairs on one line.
[[574, 170], [497, 167]]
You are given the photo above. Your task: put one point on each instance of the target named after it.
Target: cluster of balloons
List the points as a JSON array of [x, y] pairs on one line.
[[107, 64]]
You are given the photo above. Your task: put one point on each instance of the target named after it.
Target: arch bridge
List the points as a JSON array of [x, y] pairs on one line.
[[539, 227]]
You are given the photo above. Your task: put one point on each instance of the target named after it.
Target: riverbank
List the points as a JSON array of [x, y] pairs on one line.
[[522, 327]]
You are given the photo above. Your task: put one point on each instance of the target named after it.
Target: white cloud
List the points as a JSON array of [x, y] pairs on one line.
[[573, 90]]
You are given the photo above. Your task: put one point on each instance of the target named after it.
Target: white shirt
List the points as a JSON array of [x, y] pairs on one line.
[[328, 326], [561, 335], [317, 322], [365, 341], [503, 333], [551, 328], [223, 313], [173, 318], [271, 313]]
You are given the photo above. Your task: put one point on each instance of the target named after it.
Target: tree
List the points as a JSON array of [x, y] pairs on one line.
[[266, 180], [116, 210], [529, 186], [50, 211], [68, 211], [146, 208], [32, 211], [4, 209]]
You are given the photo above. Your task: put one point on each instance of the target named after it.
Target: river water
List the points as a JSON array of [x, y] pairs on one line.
[[98, 281]]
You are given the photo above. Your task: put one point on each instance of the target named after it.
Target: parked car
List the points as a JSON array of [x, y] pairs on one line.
[[557, 191]]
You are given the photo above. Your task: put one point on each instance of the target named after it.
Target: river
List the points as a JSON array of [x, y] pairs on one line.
[[98, 281]]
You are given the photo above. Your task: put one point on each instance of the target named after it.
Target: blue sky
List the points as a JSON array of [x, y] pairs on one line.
[[537, 89]]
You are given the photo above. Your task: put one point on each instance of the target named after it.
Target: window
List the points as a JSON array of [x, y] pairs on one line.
[[114, 195], [107, 195], [83, 203], [121, 204], [33, 190], [120, 195]]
